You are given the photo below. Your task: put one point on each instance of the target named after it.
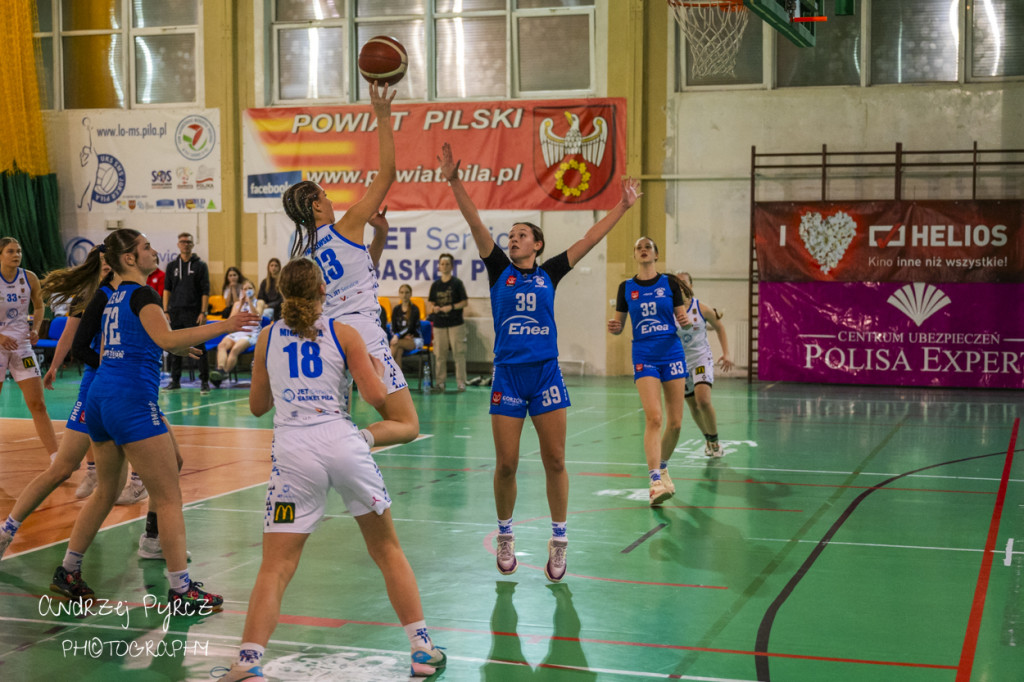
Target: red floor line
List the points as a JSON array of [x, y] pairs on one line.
[[963, 672]]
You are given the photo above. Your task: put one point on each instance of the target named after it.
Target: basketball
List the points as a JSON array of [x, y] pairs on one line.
[[383, 59]]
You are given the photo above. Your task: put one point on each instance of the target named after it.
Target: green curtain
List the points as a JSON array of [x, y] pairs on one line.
[[29, 212]]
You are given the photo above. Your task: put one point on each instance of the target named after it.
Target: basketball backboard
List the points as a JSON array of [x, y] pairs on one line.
[[780, 15]]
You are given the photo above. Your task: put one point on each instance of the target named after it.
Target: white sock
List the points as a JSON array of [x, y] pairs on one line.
[[179, 580], [655, 474], [10, 526], [72, 561], [367, 436], [505, 527], [250, 654], [558, 529], [417, 634]]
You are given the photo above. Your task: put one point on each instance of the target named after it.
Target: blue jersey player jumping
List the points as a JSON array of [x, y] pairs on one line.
[[527, 379], [654, 303]]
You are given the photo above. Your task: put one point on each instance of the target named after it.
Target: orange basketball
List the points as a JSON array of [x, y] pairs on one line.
[[383, 59]]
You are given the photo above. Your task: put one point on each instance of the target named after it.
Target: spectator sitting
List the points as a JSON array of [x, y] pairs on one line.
[[234, 344], [405, 325], [233, 281], [268, 292]]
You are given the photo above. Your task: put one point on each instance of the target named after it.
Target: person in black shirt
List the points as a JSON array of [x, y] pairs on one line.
[[405, 325], [447, 299], [268, 292], [186, 295]]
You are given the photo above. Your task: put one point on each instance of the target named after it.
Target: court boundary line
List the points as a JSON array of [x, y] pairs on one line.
[[970, 645]]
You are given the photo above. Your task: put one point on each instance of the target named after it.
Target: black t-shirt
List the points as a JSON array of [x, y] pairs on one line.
[[405, 324], [443, 294]]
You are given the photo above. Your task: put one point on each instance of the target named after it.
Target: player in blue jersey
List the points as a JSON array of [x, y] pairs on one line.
[[300, 369], [124, 420], [527, 379], [655, 302], [348, 269]]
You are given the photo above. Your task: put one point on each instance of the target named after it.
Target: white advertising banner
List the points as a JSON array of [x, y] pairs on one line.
[[114, 161], [415, 241]]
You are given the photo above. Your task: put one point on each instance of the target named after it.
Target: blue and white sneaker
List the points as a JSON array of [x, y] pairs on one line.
[[237, 673], [427, 662]]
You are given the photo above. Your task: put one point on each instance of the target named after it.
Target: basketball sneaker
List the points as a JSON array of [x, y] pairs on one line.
[[5, 541], [71, 584], [427, 662], [236, 673], [87, 485], [507, 563], [134, 492], [149, 548], [713, 449], [554, 569], [667, 480], [659, 493], [191, 601]]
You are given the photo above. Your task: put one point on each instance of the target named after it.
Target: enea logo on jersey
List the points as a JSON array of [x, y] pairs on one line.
[[574, 159], [524, 325], [195, 137], [110, 180]]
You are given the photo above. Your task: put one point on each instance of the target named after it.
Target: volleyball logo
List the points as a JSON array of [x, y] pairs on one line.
[[195, 137], [110, 179]]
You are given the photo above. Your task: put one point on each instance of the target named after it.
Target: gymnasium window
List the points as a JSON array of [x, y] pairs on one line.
[[478, 48], [905, 42], [117, 54]]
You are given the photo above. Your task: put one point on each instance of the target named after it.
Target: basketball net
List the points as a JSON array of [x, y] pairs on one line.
[[713, 30]]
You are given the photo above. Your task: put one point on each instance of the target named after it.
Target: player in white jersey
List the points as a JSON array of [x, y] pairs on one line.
[[18, 289], [348, 269], [300, 369], [700, 361]]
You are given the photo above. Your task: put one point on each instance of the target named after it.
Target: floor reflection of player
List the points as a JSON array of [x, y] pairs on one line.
[[506, 661], [90, 165]]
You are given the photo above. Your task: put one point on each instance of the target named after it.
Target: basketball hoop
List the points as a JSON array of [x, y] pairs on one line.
[[713, 30]]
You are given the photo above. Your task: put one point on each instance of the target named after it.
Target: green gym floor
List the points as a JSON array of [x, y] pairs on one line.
[[850, 534]]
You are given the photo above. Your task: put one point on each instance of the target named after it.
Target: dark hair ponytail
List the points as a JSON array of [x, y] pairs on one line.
[[77, 284], [687, 291], [118, 243], [298, 205]]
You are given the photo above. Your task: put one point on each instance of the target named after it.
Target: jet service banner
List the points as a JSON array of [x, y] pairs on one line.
[[891, 293], [520, 155]]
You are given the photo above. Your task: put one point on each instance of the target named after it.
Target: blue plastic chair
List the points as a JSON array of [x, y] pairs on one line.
[[48, 344]]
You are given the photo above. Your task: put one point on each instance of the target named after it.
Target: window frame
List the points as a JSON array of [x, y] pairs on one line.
[[128, 33], [769, 80], [429, 17]]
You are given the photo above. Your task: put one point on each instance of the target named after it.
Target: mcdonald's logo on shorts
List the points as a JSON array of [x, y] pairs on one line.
[[29, 362], [284, 512]]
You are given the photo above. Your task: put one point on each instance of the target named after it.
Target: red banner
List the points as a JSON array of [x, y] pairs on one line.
[[537, 155], [890, 241]]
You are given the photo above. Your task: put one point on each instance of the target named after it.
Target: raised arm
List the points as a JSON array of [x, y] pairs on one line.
[[630, 193], [353, 224], [450, 170], [179, 340], [380, 236]]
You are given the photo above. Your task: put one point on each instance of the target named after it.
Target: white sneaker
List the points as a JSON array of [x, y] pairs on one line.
[[149, 548], [507, 563], [87, 485], [5, 541], [554, 569], [659, 493], [714, 449], [667, 480], [134, 492]]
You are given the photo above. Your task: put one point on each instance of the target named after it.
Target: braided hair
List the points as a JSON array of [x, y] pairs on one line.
[[298, 205]]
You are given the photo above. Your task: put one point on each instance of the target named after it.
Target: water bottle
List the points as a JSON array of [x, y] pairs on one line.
[[426, 377]]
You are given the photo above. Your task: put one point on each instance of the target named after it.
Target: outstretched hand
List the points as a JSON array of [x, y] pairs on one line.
[[630, 191], [449, 167], [380, 101]]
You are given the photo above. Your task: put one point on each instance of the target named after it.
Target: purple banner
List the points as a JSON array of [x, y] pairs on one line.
[[892, 333]]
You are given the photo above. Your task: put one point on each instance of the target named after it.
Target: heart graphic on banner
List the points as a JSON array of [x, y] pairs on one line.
[[827, 239]]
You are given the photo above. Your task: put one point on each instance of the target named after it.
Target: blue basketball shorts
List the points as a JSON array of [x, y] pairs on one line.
[[123, 419], [76, 420], [534, 388]]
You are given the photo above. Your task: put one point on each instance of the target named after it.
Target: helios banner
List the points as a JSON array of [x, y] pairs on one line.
[[892, 333], [518, 155], [137, 161], [888, 241]]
